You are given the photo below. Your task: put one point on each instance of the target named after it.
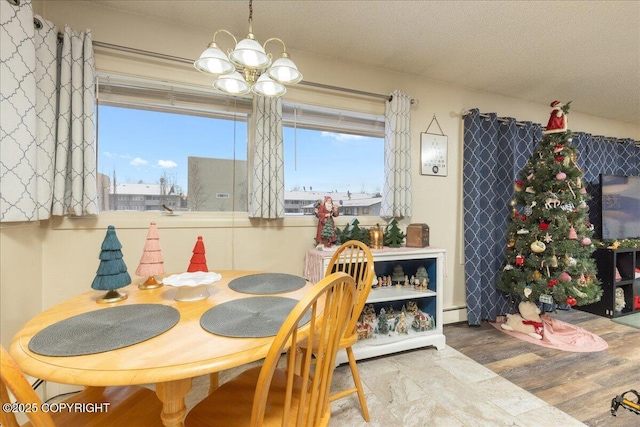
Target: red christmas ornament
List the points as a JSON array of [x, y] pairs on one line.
[[571, 301], [552, 283], [544, 226], [520, 260], [559, 159]]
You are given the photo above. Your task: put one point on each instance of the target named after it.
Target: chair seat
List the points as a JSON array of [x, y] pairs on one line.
[[230, 405], [129, 406]]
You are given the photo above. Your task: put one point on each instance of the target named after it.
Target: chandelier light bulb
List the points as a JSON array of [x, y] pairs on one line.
[[265, 86], [232, 84], [284, 71], [214, 61]]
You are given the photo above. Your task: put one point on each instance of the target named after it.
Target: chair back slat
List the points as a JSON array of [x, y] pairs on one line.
[[354, 258], [14, 381], [329, 302]]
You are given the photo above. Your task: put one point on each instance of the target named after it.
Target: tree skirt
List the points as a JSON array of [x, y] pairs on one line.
[[561, 336]]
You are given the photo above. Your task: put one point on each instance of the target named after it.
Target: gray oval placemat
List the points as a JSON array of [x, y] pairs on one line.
[[104, 330], [267, 283], [251, 317]]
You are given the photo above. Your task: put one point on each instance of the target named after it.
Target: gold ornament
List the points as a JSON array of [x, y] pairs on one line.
[[538, 246]]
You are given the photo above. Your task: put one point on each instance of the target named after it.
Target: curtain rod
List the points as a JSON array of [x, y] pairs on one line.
[[190, 61], [505, 120]]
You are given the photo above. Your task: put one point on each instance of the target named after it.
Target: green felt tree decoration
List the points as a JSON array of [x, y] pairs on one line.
[[548, 254], [112, 272], [393, 236]]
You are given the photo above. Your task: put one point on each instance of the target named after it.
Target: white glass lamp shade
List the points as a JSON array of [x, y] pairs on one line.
[[233, 84], [249, 54], [214, 61], [284, 71], [265, 86]]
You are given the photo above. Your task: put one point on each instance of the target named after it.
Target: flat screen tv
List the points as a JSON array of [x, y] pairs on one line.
[[620, 206]]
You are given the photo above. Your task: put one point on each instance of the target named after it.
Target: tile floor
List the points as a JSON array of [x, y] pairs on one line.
[[432, 388]]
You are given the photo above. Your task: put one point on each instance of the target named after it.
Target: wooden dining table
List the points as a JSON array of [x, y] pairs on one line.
[[170, 360]]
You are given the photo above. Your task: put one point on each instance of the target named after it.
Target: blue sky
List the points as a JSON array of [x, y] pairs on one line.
[[143, 145]]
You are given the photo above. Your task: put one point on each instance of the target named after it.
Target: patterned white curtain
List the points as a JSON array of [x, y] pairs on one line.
[[17, 113], [74, 189], [46, 40], [30, 129], [396, 195], [267, 198]]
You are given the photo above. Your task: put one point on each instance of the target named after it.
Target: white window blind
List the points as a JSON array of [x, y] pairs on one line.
[[332, 120], [131, 92]]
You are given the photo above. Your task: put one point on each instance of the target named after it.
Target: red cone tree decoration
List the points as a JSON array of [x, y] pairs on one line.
[[151, 261], [198, 260]]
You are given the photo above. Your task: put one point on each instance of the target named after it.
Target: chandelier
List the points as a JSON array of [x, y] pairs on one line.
[[248, 68]]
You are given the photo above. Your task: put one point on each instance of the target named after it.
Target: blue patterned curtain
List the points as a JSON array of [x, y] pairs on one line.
[[599, 155], [495, 149]]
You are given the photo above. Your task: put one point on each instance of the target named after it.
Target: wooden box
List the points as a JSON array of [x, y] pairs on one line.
[[417, 235]]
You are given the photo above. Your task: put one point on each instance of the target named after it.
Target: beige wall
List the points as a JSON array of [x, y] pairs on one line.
[[44, 264]]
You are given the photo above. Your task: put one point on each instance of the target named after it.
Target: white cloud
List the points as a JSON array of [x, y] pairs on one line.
[[167, 164], [138, 162], [342, 136]]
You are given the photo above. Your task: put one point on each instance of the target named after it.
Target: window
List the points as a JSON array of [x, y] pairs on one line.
[[336, 153], [170, 145], [167, 145]]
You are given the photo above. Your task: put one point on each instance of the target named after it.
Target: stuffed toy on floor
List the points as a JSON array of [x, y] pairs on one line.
[[527, 322]]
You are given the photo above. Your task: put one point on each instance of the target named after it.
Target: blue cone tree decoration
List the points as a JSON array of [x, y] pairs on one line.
[[112, 272]]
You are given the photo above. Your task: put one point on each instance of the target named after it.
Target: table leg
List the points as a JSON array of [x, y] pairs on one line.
[[214, 381], [172, 395]]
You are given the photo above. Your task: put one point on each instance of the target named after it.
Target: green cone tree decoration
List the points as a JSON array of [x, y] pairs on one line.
[[393, 236], [548, 254], [112, 272]]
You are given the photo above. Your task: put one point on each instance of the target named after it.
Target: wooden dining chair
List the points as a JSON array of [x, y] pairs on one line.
[[270, 396], [354, 258], [127, 405]]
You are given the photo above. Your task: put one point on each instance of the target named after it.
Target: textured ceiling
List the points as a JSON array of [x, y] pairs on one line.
[[585, 51]]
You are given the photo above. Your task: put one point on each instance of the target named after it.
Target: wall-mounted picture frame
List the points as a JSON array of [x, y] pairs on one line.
[[433, 154]]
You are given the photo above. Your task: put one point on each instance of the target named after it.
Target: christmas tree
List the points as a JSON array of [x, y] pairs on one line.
[[151, 262], [393, 236], [112, 272], [328, 232], [548, 254], [198, 261]]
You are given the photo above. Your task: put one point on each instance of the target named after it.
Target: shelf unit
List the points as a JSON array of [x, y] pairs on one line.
[[428, 301], [617, 269]]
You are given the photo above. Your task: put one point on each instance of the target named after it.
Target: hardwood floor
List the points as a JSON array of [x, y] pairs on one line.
[[580, 384]]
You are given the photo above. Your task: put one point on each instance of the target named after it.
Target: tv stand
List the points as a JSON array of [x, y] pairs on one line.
[[617, 272]]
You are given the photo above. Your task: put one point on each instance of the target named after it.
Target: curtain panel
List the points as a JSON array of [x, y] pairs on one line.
[[40, 76], [18, 184], [396, 194], [495, 150], [74, 189], [267, 196]]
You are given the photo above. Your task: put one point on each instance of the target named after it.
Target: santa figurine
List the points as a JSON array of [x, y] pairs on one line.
[[558, 120], [325, 213]]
